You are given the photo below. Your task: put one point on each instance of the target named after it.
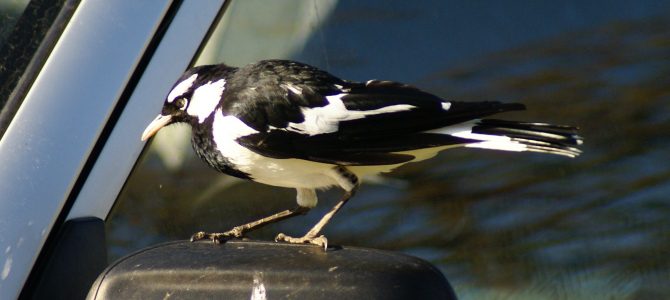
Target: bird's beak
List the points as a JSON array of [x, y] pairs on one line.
[[155, 125]]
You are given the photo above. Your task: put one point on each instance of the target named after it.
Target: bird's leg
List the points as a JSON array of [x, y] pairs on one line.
[[312, 236], [239, 231]]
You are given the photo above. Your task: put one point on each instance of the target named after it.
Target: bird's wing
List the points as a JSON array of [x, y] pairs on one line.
[[360, 124]]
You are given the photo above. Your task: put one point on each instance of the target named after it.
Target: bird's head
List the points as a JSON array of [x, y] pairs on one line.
[[192, 99]]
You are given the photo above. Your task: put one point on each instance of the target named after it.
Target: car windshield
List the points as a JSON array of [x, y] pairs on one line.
[[521, 225]]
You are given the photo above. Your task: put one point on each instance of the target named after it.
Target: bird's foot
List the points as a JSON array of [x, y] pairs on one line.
[[218, 237], [321, 240]]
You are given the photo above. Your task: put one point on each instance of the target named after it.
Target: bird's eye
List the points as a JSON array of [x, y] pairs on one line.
[[180, 103]]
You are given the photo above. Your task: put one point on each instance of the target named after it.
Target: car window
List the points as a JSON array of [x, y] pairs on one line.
[[10, 11], [24, 46], [512, 224], [9, 15]]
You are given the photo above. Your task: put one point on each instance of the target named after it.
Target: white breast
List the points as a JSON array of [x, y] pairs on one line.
[[294, 173]]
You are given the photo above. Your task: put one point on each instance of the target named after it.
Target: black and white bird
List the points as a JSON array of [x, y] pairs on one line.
[[288, 124]]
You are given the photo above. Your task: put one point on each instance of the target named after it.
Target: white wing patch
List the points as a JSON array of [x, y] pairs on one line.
[[205, 98], [181, 88], [326, 119]]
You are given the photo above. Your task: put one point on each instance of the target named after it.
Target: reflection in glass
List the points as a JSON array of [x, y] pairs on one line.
[[9, 15], [497, 224]]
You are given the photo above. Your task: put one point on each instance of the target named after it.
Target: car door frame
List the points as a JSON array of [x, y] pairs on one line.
[[75, 138]]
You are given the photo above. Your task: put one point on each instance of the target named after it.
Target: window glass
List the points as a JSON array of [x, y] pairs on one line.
[[10, 11], [511, 224], [24, 46]]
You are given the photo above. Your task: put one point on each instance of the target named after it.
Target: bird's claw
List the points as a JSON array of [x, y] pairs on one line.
[[218, 237], [215, 237], [321, 240]]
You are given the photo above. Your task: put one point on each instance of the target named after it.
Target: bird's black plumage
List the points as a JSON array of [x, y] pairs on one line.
[[259, 95], [289, 124]]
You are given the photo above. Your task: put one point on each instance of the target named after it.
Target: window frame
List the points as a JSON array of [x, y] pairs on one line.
[[113, 62]]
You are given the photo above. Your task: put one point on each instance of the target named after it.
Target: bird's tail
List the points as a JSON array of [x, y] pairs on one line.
[[519, 136]]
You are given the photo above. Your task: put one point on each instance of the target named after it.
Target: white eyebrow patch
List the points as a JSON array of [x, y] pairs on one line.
[[326, 119], [181, 88], [205, 98]]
